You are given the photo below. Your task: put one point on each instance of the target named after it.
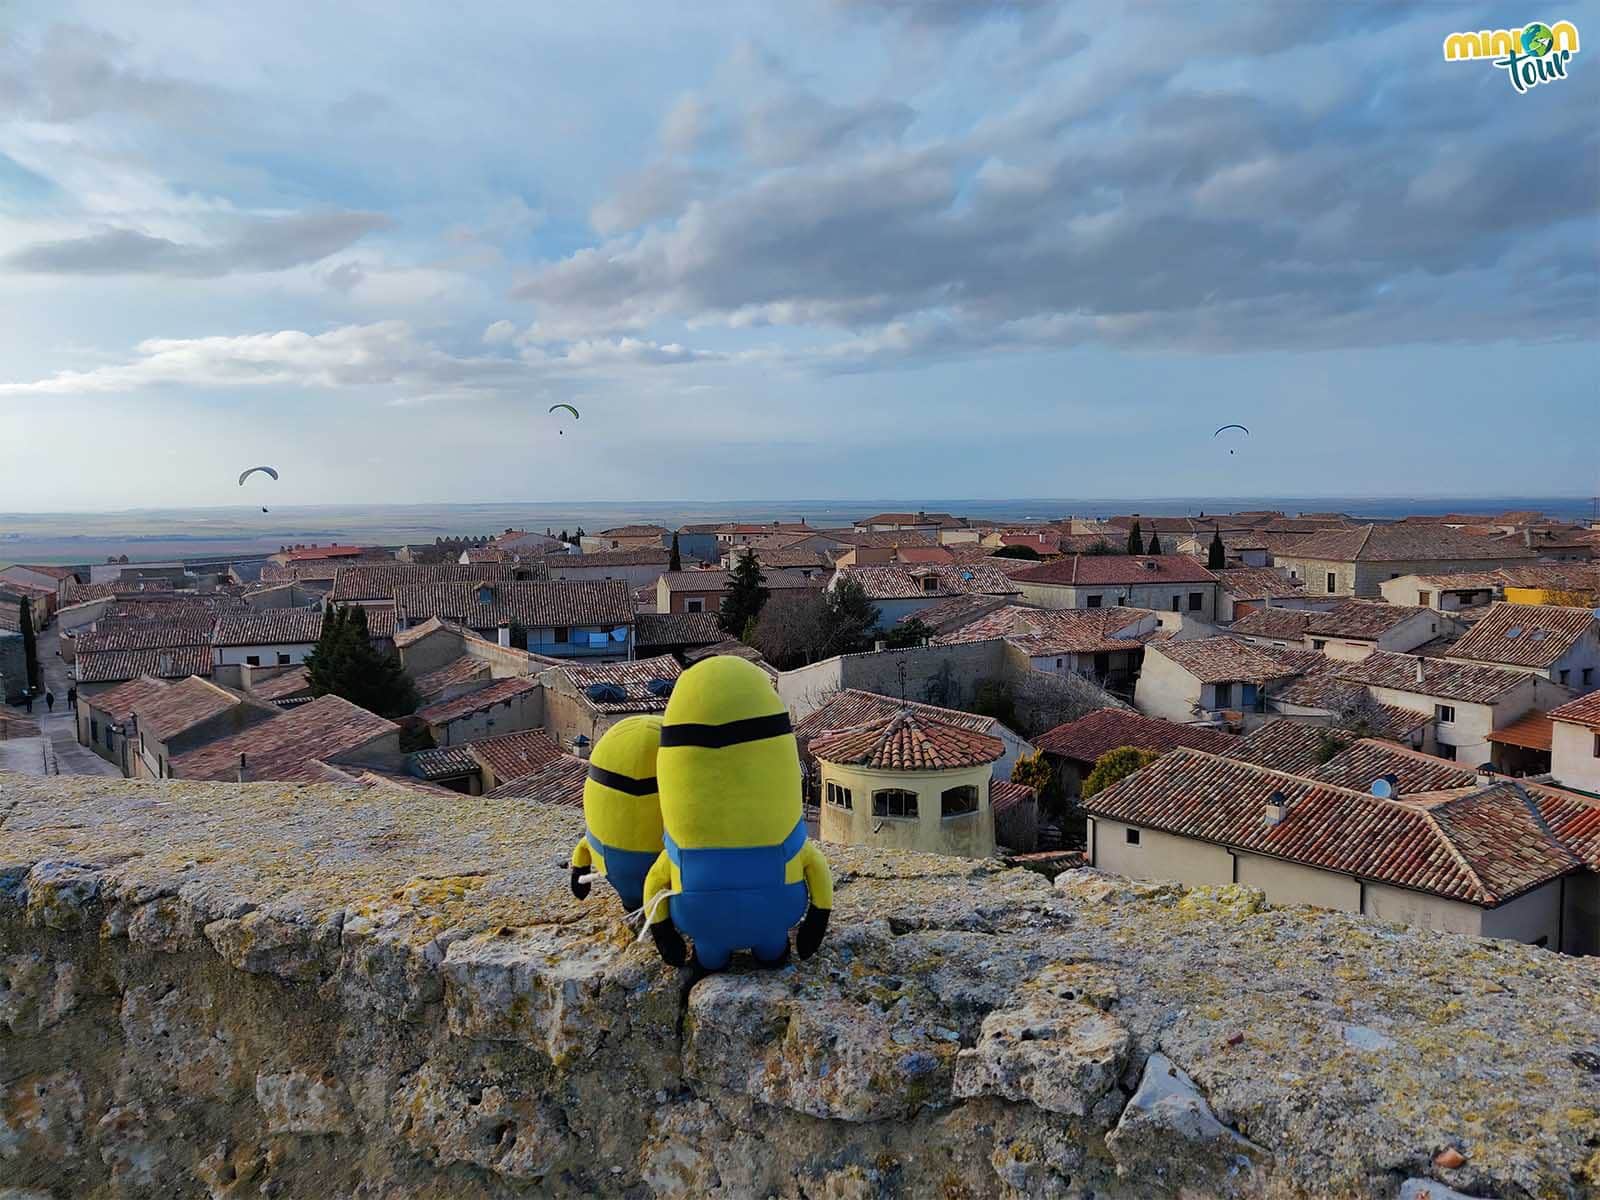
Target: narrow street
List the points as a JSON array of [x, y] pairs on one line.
[[55, 750]]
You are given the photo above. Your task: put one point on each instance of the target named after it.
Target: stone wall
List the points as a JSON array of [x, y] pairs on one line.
[[209, 990]]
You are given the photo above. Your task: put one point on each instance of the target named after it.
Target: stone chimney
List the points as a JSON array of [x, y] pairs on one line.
[[504, 633], [581, 746], [1420, 679], [1486, 775], [1276, 809], [243, 775]]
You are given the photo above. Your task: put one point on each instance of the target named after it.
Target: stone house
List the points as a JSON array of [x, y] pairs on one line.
[[505, 706], [1561, 644], [1456, 592], [908, 782], [1498, 859], [1073, 748], [1205, 678], [702, 591], [562, 618], [628, 537], [1104, 644], [583, 700], [1242, 590], [1165, 582], [1575, 743], [297, 744], [853, 707], [1357, 562], [181, 716], [897, 591], [274, 637], [637, 567]]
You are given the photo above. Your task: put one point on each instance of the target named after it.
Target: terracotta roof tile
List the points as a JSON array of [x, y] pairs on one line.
[[460, 670], [899, 582], [1443, 678], [171, 662], [853, 707], [1040, 632], [272, 626], [1228, 660], [1104, 570], [501, 691], [379, 582], [119, 702], [141, 635], [287, 746], [677, 629], [1284, 745], [182, 705], [633, 678], [1087, 738], [644, 556], [1585, 710], [1363, 761], [534, 605], [1283, 624], [1367, 619], [559, 783], [908, 742], [1528, 635], [516, 755], [1482, 848], [289, 683], [1401, 543], [1532, 731], [1005, 795], [1257, 583]]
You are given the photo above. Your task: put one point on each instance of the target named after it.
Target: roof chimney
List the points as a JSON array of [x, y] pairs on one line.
[[504, 633], [1420, 679], [581, 746], [242, 773], [1276, 808], [1486, 774]]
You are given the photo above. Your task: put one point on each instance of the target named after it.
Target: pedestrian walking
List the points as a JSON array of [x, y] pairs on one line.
[[50, 701], [72, 697], [27, 698]]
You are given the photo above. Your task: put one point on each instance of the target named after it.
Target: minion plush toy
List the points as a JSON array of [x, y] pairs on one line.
[[621, 812], [736, 872]]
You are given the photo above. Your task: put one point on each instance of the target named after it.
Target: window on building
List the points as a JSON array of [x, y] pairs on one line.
[[1197, 601], [1565, 675], [1444, 714], [1091, 602], [1058, 664], [253, 660], [930, 583], [838, 796], [1132, 836], [894, 802], [1446, 750], [560, 635], [1224, 694], [1588, 675], [694, 604], [1424, 598], [283, 660], [958, 801], [108, 737], [1333, 583], [94, 730], [1319, 643]]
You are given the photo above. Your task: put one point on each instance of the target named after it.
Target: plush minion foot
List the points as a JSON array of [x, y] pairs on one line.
[[772, 964]]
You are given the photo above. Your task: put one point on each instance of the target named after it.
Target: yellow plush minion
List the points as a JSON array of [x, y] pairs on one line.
[[621, 811], [736, 871]]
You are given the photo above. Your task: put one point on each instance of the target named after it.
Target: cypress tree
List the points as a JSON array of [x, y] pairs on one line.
[[1217, 555], [30, 645], [747, 594], [346, 664], [1154, 546], [1135, 540], [676, 564]]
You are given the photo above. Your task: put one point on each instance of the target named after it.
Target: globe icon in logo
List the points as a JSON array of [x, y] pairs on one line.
[[1537, 40]]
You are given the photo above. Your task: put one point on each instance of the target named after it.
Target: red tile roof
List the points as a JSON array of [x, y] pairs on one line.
[[908, 742], [543, 604], [286, 747], [1284, 745], [272, 626], [1257, 583], [897, 582], [1438, 677], [717, 581], [290, 683], [1005, 795], [501, 691], [321, 569], [1087, 738], [1040, 632], [644, 556], [314, 553], [459, 670], [182, 705], [635, 531], [1401, 543], [118, 702], [1283, 624], [1103, 570], [1363, 619], [942, 520], [379, 582], [1585, 710], [516, 755], [634, 678], [142, 635], [1479, 847], [955, 612], [1363, 761], [1527, 635], [1228, 660], [559, 783], [853, 707], [171, 662], [1532, 731], [677, 629]]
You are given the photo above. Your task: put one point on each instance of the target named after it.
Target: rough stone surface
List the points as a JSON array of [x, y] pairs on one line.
[[216, 991]]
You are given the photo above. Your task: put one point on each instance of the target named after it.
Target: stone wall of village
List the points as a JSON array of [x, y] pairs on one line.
[[209, 990]]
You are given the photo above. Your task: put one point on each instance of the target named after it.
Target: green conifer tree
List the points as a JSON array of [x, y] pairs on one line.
[[346, 664], [1135, 540], [1217, 554], [746, 595]]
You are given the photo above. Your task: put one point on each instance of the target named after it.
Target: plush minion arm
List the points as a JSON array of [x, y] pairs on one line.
[[819, 885], [581, 861], [669, 942]]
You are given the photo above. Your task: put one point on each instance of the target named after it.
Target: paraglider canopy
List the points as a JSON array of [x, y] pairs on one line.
[[1225, 429], [246, 474], [569, 408]]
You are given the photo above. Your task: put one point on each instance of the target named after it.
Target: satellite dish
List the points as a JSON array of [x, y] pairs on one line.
[[605, 693], [659, 687], [620, 633], [1384, 786]]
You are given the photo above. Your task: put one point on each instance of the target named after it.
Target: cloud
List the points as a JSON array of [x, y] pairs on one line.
[[384, 354], [254, 244], [943, 12]]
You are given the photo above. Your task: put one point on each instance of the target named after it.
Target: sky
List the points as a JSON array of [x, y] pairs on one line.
[[830, 248]]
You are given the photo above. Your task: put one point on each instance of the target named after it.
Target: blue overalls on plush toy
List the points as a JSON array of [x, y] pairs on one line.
[[737, 871], [621, 812]]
